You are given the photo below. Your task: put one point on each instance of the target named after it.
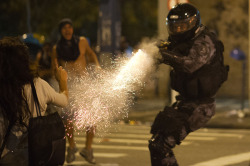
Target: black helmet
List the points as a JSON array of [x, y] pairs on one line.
[[183, 20]]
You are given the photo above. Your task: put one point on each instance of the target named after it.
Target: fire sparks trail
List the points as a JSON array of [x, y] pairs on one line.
[[103, 98]]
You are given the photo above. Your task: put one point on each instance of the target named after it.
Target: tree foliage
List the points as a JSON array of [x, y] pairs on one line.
[[12, 17], [139, 18]]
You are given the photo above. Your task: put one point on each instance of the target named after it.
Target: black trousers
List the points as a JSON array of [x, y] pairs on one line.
[[173, 124]]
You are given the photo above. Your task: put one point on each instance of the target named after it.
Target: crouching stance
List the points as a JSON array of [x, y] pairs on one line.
[[196, 56]]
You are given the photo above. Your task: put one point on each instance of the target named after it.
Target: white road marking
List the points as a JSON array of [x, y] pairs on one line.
[[103, 155], [147, 136], [76, 163], [216, 134], [121, 147], [116, 147], [108, 164], [125, 135], [127, 141], [107, 155], [223, 131], [200, 133], [226, 160], [197, 138]]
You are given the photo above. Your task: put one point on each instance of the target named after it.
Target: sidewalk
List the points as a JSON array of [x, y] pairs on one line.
[[227, 113]]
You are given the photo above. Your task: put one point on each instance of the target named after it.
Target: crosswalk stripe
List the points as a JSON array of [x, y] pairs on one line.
[[224, 131], [81, 163], [197, 138], [134, 131], [101, 155], [115, 140], [144, 132], [124, 138], [146, 129], [142, 148], [147, 136], [200, 133], [126, 135], [217, 134], [107, 155], [127, 141], [123, 147], [76, 163], [226, 160]]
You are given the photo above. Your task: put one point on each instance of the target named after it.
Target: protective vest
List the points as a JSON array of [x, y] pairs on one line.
[[205, 82]]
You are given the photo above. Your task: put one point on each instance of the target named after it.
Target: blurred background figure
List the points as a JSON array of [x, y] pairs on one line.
[[125, 48], [33, 44], [74, 53], [43, 61]]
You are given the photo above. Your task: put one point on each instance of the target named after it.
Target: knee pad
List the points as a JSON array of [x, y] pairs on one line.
[[200, 112], [169, 122]]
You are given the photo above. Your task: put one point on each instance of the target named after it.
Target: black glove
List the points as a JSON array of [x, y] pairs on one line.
[[168, 57], [163, 44]]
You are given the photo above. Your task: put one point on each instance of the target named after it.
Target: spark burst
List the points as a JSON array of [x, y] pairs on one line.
[[105, 97]]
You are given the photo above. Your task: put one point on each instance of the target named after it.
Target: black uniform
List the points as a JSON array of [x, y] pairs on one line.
[[196, 56]]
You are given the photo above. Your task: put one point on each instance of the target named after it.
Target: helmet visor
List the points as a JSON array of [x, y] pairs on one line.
[[176, 26]]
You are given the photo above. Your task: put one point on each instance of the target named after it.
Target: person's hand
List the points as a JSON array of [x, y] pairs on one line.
[[98, 68], [60, 73], [62, 77]]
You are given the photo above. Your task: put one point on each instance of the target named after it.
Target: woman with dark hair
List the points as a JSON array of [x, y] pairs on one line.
[[16, 103]]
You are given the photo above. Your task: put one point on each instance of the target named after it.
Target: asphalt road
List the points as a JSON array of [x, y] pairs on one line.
[[126, 145]]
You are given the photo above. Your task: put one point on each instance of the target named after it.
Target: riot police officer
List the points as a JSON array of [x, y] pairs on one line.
[[196, 56]]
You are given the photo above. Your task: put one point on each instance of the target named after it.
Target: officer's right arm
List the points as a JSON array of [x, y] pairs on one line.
[[201, 53]]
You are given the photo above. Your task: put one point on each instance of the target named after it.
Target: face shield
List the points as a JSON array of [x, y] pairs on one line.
[[178, 26]]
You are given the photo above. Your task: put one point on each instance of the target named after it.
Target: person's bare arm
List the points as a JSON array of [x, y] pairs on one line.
[[62, 77], [90, 53], [59, 73]]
